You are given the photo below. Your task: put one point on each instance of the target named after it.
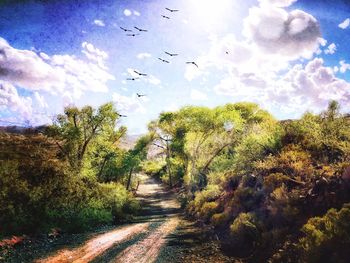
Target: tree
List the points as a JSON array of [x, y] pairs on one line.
[[77, 129]]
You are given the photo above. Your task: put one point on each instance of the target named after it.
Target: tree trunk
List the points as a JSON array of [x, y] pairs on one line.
[[129, 179], [168, 163], [102, 167]]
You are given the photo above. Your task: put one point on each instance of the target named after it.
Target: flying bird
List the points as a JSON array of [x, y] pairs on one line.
[[140, 29], [139, 73], [163, 60], [140, 95], [132, 35], [125, 30], [132, 79], [121, 115], [171, 10], [170, 54], [165, 17], [193, 63]]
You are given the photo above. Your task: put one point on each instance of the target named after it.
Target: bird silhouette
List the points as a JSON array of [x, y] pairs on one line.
[[132, 79], [140, 29], [193, 63], [171, 10], [227, 52], [165, 17], [132, 35], [140, 95], [170, 54], [125, 30], [121, 115], [139, 73], [163, 60]]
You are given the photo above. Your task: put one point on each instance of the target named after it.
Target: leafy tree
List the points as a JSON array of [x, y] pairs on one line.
[[77, 129]]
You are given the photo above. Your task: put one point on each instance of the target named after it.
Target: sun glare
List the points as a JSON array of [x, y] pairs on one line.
[[211, 12]]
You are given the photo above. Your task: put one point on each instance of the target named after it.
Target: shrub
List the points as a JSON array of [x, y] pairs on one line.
[[245, 234], [327, 236]]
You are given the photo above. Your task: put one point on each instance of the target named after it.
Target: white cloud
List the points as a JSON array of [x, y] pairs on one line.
[[127, 12], [331, 49], [55, 74], [128, 104], [94, 54], [198, 95], [295, 34], [344, 66], [143, 55], [345, 24], [25, 68], [99, 22], [301, 88], [10, 100], [41, 102]]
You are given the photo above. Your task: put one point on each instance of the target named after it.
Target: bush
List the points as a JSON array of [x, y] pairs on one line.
[[154, 168], [38, 192], [327, 237], [245, 234]]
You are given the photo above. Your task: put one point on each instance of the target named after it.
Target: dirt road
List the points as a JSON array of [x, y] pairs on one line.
[[146, 237], [159, 234]]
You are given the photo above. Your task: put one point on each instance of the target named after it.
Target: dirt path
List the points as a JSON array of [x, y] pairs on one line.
[[140, 241], [159, 234]]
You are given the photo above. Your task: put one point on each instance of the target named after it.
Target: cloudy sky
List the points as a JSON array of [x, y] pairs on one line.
[[289, 56]]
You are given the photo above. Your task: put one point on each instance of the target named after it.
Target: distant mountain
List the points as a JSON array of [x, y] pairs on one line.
[[129, 141], [22, 130]]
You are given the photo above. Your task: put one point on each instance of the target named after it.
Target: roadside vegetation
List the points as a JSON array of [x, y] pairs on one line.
[[274, 191], [73, 176]]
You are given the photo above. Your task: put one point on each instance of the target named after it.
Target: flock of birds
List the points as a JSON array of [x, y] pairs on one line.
[[132, 33]]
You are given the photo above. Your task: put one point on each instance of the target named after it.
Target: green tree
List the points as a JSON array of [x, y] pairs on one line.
[[77, 129]]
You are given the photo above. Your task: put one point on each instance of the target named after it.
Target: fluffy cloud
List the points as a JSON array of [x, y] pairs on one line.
[[41, 102], [10, 100], [331, 49], [198, 95], [99, 22], [25, 68], [94, 54], [345, 24], [56, 74], [128, 104], [301, 88], [127, 12], [274, 30], [343, 67], [317, 84]]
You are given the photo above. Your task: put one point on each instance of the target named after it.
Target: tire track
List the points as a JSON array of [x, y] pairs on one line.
[[96, 246], [148, 249]]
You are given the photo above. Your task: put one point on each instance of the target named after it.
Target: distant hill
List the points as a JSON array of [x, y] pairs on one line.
[[129, 141], [22, 130]]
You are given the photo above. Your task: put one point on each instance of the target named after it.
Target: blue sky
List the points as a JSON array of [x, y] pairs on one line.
[[289, 56]]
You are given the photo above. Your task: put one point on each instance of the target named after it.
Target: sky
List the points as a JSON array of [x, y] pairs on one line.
[[288, 56]]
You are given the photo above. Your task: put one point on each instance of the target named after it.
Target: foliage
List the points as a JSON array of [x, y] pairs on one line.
[[68, 178], [259, 179], [327, 236]]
